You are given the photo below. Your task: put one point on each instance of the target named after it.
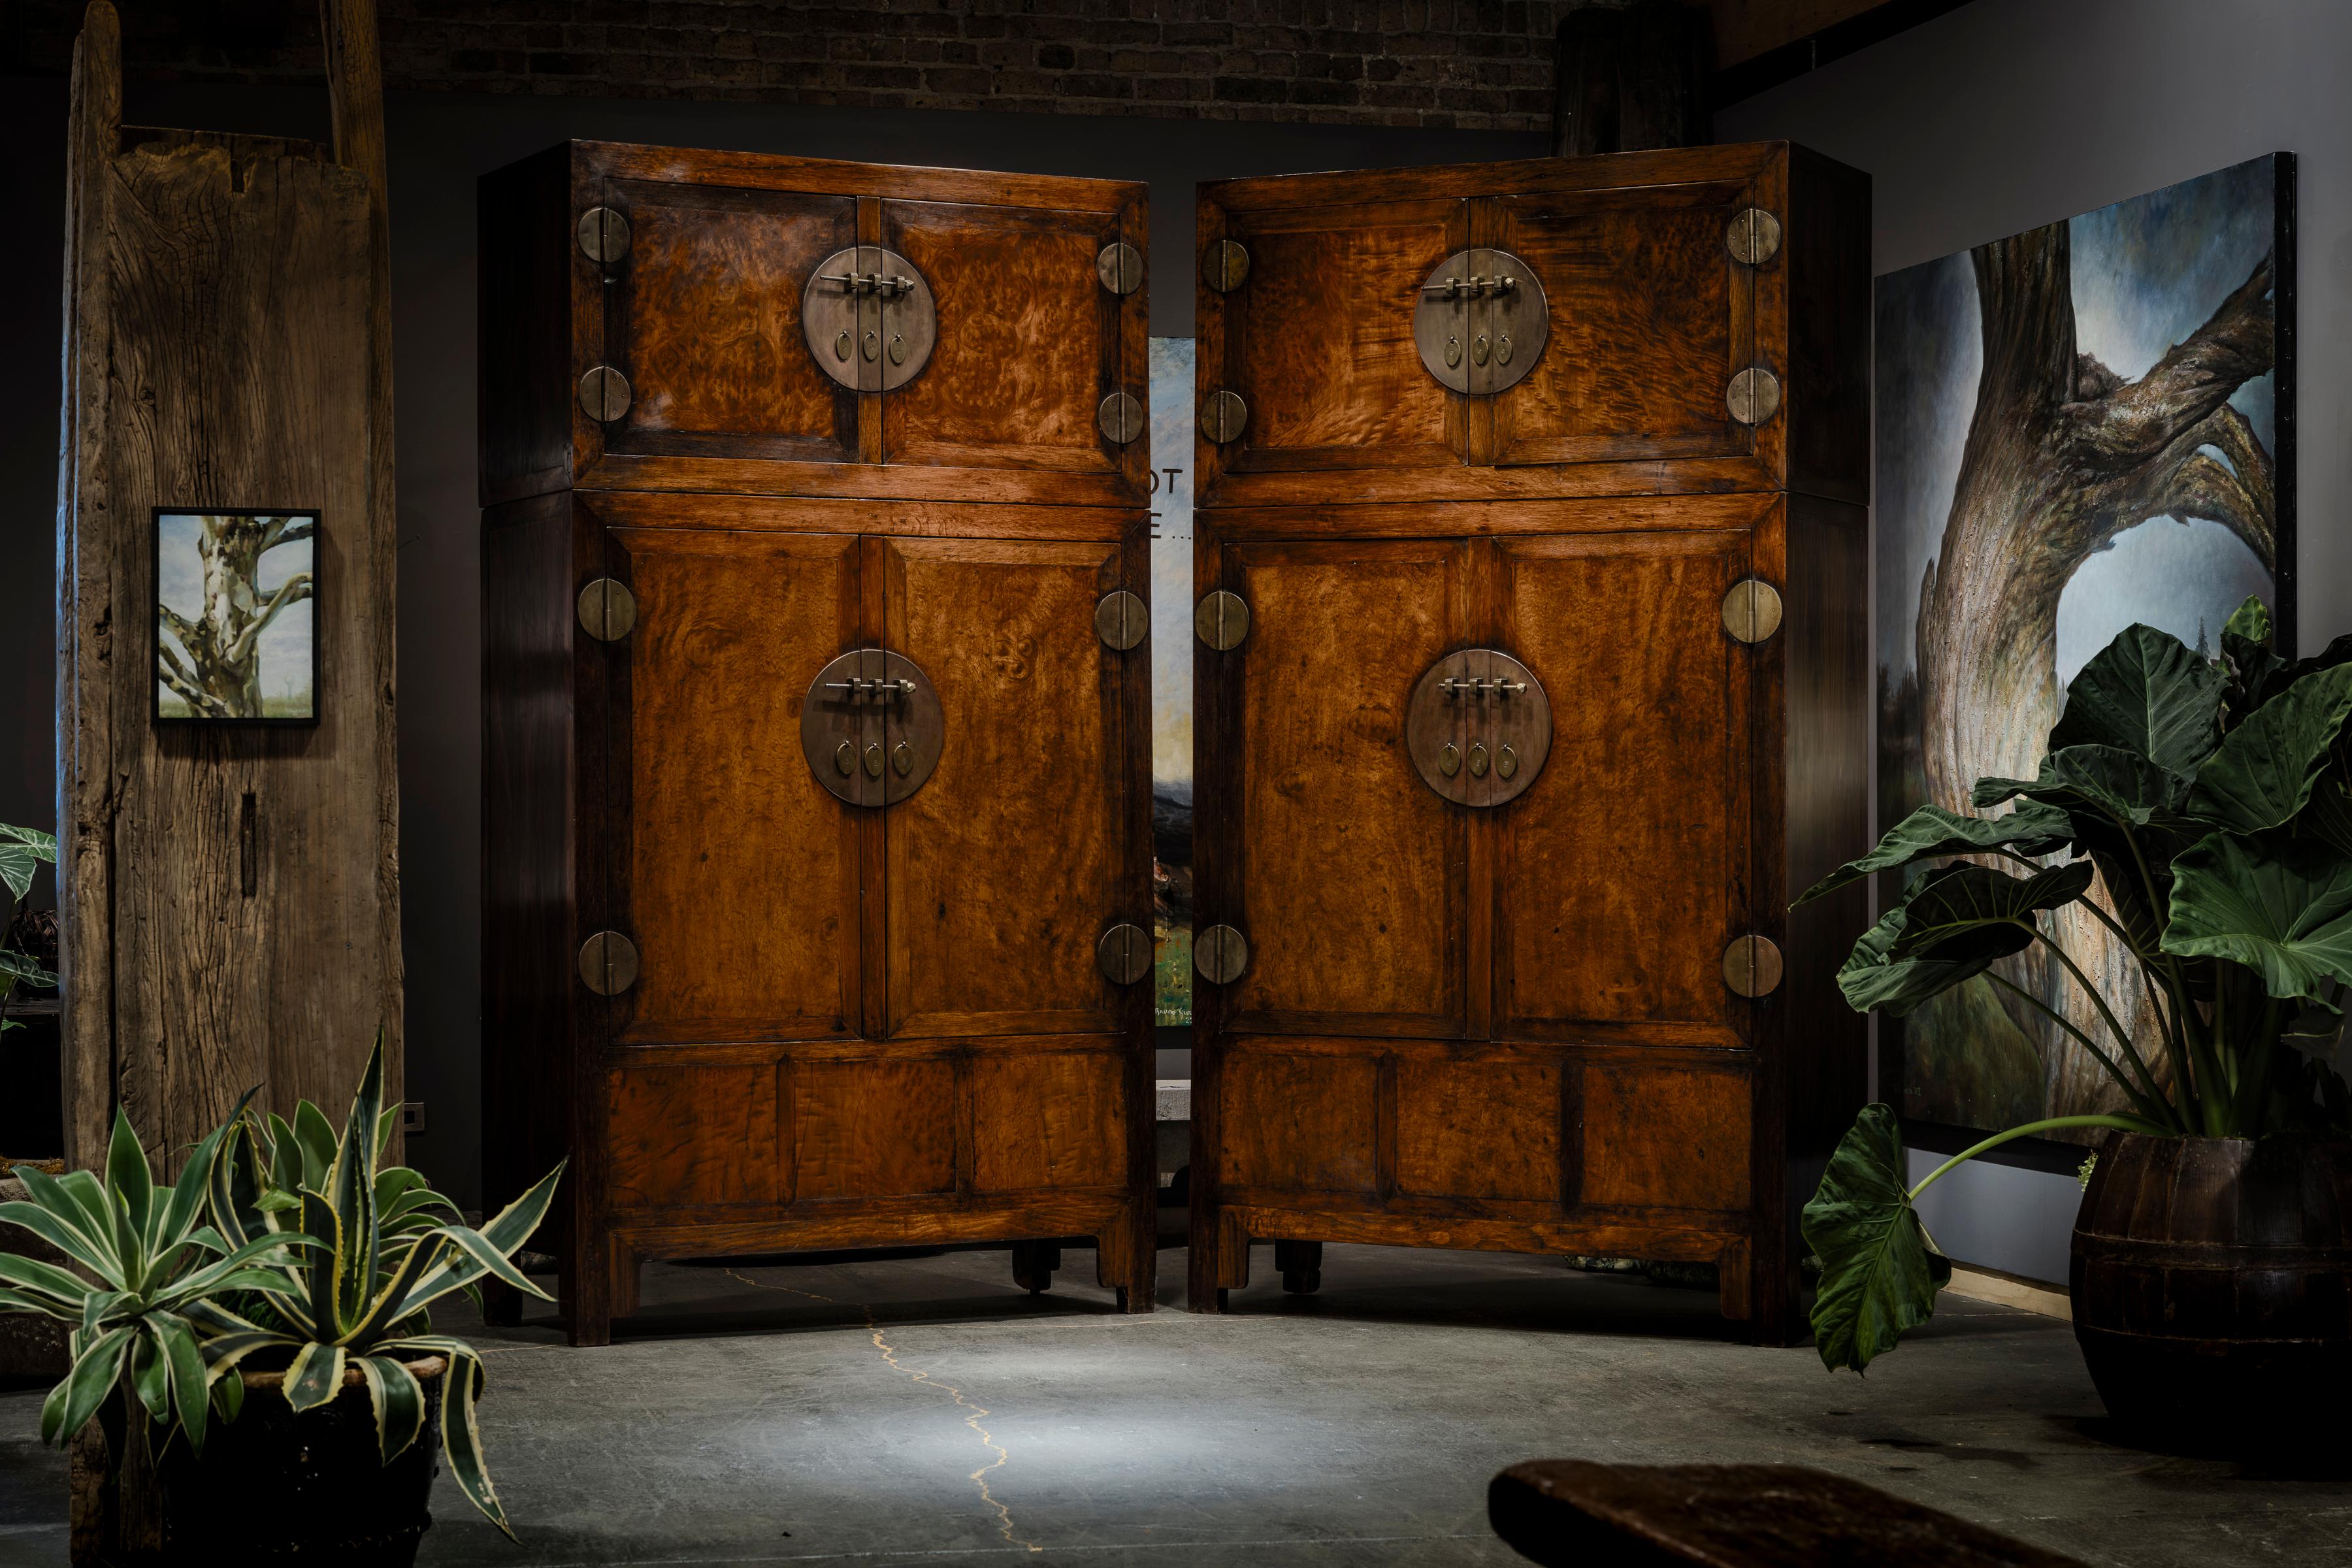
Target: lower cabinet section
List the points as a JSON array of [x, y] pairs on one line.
[[1643, 1152], [850, 1143]]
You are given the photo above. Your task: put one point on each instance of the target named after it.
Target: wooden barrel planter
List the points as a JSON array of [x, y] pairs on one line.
[[2212, 1284]]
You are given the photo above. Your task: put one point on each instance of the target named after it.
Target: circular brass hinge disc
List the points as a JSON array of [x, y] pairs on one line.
[[1481, 321], [1120, 417], [1223, 417], [1227, 263], [1754, 237], [1754, 396], [604, 235], [1751, 611], [1121, 619], [1124, 954], [1120, 266], [1478, 727], [608, 964], [604, 394], [1221, 619], [871, 727], [607, 609], [868, 319], [1752, 965], [1220, 953]]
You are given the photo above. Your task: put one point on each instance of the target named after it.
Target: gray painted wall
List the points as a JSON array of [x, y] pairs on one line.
[[2011, 113], [439, 144]]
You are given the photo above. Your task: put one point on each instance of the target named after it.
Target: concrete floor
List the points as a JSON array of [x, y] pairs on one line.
[[921, 1409]]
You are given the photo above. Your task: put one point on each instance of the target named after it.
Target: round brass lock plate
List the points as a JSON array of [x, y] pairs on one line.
[[1752, 965], [1754, 237], [607, 609], [1124, 953], [1220, 955], [1225, 265], [1120, 266], [869, 319], [1121, 619], [604, 394], [604, 235], [871, 727], [1224, 416], [1120, 417], [1751, 611], [1481, 321], [608, 964], [1754, 396], [1478, 727], [1221, 620]]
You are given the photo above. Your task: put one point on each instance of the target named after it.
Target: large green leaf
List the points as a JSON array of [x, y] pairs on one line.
[[1880, 1272], [2104, 781], [1955, 923], [22, 851], [2261, 773], [2280, 906], [86, 1385], [23, 969], [2147, 693], [1930, 831]]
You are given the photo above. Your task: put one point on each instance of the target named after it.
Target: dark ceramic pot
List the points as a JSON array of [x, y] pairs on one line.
[[2212, 1284], [273, 1485]]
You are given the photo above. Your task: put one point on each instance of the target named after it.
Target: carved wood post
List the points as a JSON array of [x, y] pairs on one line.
[[1628, 77], [227, 347]]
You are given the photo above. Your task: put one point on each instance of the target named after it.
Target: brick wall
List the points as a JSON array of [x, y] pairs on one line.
[[1471, 64]]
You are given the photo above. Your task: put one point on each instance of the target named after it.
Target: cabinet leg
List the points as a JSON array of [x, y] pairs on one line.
[[1220, 1258], [1034, 1263], [1301, 1263], [1126, 1258], [1734, 1294]]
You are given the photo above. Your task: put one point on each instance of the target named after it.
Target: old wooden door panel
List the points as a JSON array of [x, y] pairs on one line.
[[1651, 318], [873, 1127], [1048, 1117], [1349, 874], [1006, 869], [705, 320], [1485, 1128], [1318, 338], [1624, 869], [1668, 1137], [1029, 339], [734, 872], [691, 1136], [1298, 1120]]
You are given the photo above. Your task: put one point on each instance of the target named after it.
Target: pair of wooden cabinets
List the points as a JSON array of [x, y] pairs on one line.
[[1472, 439]]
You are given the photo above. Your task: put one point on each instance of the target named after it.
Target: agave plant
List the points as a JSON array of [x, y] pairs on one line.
[[153, 1266], [390, 1247], [2212, 804]]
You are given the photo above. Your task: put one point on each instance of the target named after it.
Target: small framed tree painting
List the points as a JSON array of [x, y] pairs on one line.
[[236, 624]]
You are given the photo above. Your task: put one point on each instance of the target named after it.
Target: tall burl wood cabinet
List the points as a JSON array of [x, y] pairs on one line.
[[817, 881], [1532, 684]]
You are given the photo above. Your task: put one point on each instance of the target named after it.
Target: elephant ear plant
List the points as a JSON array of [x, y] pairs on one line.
[[152, 1266], [2210, 800], [390, 1247]]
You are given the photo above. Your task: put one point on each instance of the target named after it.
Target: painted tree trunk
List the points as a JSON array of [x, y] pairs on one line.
[[2063, 454]]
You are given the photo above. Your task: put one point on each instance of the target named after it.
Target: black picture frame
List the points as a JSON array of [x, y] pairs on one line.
[[2056, 1155], [315, 518]]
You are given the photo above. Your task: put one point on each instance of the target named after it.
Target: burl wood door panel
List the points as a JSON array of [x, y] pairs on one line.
[[1345, 872], [704, 319], [1029, 340], [1651, 318], [1319, 339], [1004, 871], [733, 872], [1624, 871]]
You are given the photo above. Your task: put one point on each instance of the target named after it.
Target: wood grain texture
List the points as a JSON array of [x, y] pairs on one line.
[[691, 1136], [884, 1127], [1479, 1129], [228, 288], [1037, 1120]]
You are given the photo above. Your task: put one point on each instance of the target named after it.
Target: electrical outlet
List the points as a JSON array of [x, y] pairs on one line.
[[412, 1118]]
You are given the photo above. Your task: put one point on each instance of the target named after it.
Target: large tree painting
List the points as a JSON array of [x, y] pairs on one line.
[[233, 607], [2078, 428]]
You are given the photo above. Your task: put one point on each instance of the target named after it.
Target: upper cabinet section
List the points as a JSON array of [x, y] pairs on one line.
[[658, 319], [1644, 323]]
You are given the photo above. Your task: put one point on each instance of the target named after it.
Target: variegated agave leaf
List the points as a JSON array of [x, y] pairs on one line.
[[461, 1432]]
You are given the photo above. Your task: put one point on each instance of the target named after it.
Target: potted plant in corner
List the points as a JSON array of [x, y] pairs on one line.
[[2208, 803]]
